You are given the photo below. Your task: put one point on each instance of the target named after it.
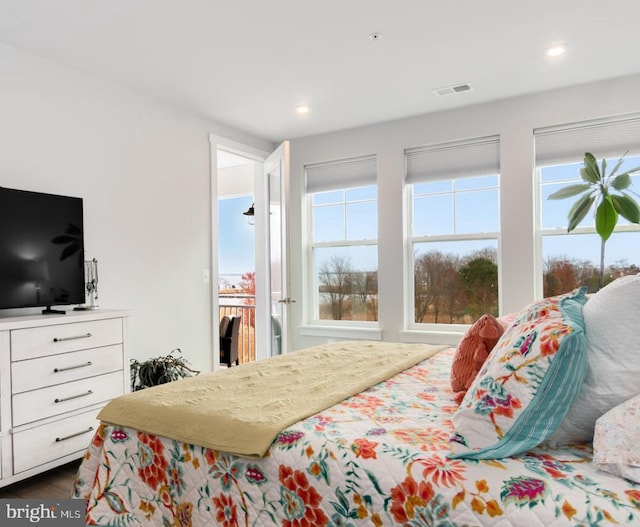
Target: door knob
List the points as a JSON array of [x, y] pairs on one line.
[[286, 301]]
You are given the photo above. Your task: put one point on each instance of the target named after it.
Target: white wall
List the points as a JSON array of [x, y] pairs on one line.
[[514, 120], [143, 171]]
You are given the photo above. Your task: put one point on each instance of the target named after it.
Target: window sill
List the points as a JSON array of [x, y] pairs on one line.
[[451, 338], [341, 332]]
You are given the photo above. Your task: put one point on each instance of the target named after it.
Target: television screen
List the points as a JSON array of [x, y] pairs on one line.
[[41, 249]]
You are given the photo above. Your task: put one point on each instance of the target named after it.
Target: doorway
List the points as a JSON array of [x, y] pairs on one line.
[[236, 175], [245, 203]]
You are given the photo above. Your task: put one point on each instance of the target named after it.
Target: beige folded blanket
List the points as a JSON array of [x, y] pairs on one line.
[[242, 410]]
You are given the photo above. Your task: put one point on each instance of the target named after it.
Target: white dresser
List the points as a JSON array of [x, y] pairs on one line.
[[56, 372]]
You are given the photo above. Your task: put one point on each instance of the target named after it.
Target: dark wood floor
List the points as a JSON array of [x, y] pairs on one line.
[[53, 484]]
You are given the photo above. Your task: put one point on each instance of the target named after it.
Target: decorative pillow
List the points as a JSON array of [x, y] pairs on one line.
[[616, 440], [612, 322], [527, 384], [506, 320], [472, 351]]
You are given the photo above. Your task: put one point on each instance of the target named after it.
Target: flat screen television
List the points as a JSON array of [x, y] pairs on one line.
[[41, 250]]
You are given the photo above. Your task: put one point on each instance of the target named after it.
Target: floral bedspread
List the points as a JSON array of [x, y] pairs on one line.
[[378, 458]]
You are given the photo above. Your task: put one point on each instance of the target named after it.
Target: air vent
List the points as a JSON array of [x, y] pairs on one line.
[[450, 90]]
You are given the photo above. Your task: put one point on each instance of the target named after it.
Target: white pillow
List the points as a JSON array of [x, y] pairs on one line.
[[616, 442], [612, 330]]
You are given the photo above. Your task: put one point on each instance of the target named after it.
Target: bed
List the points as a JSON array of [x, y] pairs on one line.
[[379, 457]]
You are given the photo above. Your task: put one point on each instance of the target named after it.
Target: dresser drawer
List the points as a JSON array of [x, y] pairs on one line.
[[45, 443], [42, 341], [55, 400], [65, 367]]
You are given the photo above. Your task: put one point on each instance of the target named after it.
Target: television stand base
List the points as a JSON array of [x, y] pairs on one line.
[[50, 311]]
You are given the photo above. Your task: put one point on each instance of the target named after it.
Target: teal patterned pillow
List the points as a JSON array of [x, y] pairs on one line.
[[527, 384]]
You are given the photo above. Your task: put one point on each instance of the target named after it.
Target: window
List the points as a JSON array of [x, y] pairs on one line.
[[343, 247], [453, 191], [573, 259]]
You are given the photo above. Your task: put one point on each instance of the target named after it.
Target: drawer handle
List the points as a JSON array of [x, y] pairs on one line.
[[58, 439], [89, 392], [58, 370], [62, 339]]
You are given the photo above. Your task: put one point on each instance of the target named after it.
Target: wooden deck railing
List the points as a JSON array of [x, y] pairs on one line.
[[241, 305]]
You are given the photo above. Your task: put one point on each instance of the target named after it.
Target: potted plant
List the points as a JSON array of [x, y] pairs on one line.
[[159, 370], [608, 194]]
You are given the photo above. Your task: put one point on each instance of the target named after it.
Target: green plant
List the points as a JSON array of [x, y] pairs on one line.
[[607, 194], [159, 370]]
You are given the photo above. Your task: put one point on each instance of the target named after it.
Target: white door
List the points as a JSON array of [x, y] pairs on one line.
[[276, 170]]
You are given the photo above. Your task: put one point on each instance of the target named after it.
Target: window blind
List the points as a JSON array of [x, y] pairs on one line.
[[609, 138], [344, 173], [456, 159]]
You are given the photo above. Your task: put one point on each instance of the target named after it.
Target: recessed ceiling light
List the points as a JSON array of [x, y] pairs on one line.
[[555, 50], [302, 109]]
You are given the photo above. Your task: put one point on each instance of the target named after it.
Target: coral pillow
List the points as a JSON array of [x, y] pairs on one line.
[[612, 321], [527, 384], [472, 351]]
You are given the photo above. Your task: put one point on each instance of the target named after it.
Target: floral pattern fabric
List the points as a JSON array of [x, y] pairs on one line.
[[527, 383], [378, 458], [615, 441]]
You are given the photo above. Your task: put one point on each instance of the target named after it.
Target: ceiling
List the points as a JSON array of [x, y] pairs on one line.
[[249, 63]]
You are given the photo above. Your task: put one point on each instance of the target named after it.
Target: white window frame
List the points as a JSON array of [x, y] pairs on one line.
[[566, 144], [333, 180], [483, 160]]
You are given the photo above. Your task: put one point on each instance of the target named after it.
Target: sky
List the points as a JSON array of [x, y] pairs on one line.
[[236, 238]]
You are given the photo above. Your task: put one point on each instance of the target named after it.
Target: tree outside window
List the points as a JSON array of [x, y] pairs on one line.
[[345, 254], [455, 250]]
